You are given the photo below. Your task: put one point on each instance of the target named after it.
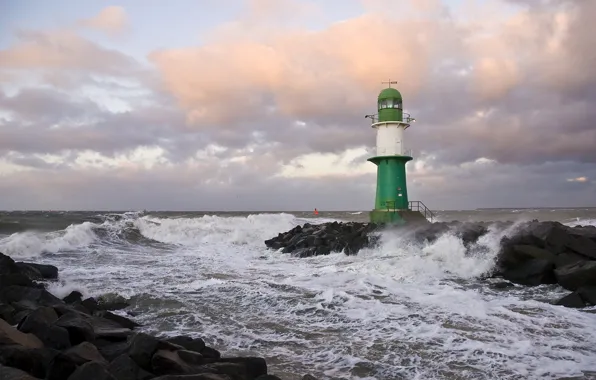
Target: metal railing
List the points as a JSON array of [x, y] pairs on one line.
[[421, 207]]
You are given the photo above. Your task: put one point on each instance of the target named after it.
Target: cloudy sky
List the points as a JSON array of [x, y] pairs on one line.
[[260, 104]]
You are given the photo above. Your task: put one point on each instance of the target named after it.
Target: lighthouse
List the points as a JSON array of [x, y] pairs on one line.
[[392, 205]]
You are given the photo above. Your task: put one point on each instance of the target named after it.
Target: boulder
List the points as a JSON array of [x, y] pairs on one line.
[[45, 271], [576, 275], [91, 371], [11, 336], [9, 373], [582, 297]]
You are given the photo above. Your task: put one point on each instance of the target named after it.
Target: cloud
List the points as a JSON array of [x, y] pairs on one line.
[[268, 114], [63, 50], [111, 20]]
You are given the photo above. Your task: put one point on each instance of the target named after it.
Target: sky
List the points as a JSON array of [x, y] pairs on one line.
[[248, 105]]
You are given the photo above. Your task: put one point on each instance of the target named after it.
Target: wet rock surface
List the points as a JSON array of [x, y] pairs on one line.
[[44, 337], [531, 253]]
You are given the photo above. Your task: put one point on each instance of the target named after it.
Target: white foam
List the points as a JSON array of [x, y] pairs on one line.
[[28, 244], [401, 310]]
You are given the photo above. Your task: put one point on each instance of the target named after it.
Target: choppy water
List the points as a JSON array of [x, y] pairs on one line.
[[402, 311]]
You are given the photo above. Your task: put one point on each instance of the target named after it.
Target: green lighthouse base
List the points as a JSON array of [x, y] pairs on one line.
[[397, 217]]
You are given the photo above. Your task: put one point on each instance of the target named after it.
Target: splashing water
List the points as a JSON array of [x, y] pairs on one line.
[[404, 310]]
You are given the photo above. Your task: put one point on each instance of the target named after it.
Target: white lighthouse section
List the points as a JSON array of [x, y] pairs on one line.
[[390, 138]]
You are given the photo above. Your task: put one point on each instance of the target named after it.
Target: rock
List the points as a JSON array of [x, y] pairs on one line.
[[37, 296], [11, 336], [532, 272], [85, 352], [196, 344], [60, 367], [46, 271], [9, 373], [502, 285], [142, 348], [202, 376], [166, 362], [91, 371], [308, 377], [122, 321], [41, 323], [111, 350], [571, 300], [576, 275], [322, 239], [79, 329], [268, 377], [35, 361], [124, 368], [73, 297], [582, 297]]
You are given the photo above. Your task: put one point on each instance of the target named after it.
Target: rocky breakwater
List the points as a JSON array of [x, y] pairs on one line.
[[322, 239], [552, 253], [531, 253], [44, 337]]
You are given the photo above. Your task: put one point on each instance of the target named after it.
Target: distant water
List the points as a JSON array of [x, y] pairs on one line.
[[402, 311]]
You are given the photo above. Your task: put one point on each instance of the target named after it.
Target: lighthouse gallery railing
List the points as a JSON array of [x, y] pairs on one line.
[[413, 206], [419, 206]]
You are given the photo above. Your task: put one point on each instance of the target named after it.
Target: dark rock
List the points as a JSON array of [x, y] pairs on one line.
[[582, 297], [7, 312], [11, 336], [502, 285], [190, 357], [91, 371], [9, 373], [112, 302], [196, 344], [90, 304], [41, 323], [571, 300], [567, 258], [46, 271], [60, 368], [120, 320], [19, 279], [37, 296], [73, 297], [576, 275], [588, 294], [532, 272], [202, 376], [210, 352], [268, 377], [142, 348], [84, 352], [308, 377], [79, 329], [124, 368], [322, 239], [32, 360], [8, 265], [165, 362], [110, 349]]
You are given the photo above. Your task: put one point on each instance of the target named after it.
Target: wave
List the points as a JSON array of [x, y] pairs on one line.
[[135, 229]]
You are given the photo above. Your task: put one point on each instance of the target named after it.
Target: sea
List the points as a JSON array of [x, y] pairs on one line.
[[403, 310]]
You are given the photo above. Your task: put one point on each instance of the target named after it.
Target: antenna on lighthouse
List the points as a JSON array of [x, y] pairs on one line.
[[390, 82]]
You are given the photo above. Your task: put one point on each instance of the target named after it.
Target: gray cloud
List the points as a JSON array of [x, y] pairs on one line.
[[520, 98]]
